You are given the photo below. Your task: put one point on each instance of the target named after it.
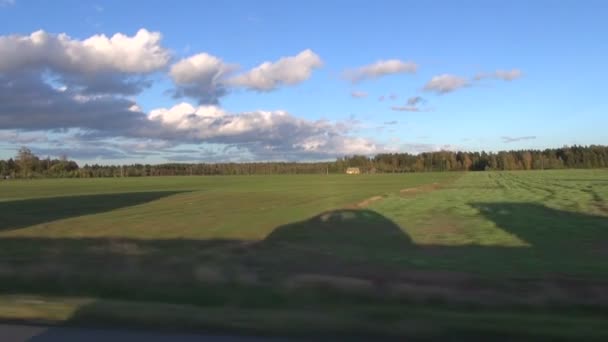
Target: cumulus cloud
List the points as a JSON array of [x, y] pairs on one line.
[[286, 71], [207, 78], [55, 83], [358, 94], [98, 64], [505, 75], [140, 53], [507, 140], [446, 83], [202, 77], [256, 135], [263, 133], [27, 102], [379, 69]]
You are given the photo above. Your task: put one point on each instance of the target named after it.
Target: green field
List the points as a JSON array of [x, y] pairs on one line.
[[519, 255]]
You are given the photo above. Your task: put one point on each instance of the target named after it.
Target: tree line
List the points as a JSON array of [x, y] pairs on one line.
[[27, 165]]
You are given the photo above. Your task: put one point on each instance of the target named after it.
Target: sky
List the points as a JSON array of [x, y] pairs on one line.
[[211, 81]]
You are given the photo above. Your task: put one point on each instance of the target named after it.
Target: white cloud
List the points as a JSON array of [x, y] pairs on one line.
[[446, 83], [201, 68], [358, 94], [262, 133], [379, 69], [141, 53], [505, 75], [96, 65], [207, 78], [52, 82], [201, 76], [286, 71], [211, 122], [181, 115]]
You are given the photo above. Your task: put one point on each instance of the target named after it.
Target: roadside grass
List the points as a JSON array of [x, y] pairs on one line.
[[346, 322], [494, 254]]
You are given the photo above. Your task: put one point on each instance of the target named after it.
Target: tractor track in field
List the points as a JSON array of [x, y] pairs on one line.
[[425, 188], [421, 189], [366, 203]]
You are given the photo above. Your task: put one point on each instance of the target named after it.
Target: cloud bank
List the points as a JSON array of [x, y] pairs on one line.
[[84, 91], [55, 83], [263, 133]]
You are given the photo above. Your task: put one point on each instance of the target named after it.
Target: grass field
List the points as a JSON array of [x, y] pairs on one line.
[[491, 254]]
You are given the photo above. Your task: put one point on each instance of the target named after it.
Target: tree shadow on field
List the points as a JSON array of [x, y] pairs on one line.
[[546, 229], [345, 233], [345, 252], [28, 212]]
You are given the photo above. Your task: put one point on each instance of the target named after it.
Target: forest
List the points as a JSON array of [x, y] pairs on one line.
[[28, 165]]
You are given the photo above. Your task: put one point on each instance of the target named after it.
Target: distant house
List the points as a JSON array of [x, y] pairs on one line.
[[353, 171]]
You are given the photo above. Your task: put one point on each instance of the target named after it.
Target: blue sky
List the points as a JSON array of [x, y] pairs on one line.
[[540, 68]]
